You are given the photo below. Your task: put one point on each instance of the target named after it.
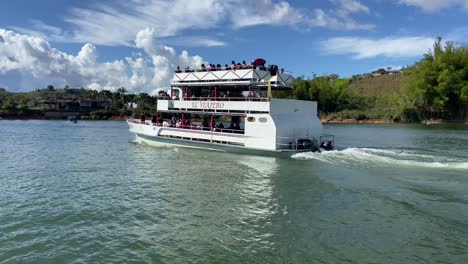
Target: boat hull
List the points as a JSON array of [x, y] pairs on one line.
[[157, 141]]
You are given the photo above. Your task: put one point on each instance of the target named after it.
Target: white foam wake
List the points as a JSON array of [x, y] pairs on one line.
[[371, 157]]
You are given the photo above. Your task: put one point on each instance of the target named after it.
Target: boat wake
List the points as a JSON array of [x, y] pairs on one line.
[[371, 157]]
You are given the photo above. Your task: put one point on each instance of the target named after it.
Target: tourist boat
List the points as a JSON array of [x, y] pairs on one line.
[[233, 109]]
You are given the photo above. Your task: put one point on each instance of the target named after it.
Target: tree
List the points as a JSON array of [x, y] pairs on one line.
[[301, 88], [438, 83], [122, 90], [381, 71], [50, 87], [9, 104]]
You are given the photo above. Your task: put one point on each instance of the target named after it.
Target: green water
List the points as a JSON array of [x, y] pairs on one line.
[[86, 193]]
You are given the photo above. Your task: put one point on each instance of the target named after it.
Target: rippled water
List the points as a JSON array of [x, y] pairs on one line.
[[86, 193]]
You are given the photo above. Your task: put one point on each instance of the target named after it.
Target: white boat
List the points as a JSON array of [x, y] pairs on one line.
[[233, 110]]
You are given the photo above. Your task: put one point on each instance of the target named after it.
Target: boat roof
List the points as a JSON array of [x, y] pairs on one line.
[[232, 77]]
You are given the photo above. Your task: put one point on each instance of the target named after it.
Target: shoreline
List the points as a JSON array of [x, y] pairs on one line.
[[386, 121], [323, 120]]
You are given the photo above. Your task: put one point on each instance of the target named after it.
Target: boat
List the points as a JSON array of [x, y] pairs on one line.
[[72, 119], [233, 109]]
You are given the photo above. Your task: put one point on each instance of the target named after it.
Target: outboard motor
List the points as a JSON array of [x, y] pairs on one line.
[[327, 145]]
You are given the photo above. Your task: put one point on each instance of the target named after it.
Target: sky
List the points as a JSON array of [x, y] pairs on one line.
[[137, 44]]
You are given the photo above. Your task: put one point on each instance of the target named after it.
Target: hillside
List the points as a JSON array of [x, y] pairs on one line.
[[378, 85]]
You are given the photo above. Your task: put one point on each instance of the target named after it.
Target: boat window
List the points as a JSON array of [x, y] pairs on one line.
[[263, 119], [250, 119]]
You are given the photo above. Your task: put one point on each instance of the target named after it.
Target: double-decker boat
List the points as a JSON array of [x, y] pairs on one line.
[[233, 109]]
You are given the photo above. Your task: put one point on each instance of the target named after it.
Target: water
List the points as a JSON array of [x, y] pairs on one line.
[[86, 193]]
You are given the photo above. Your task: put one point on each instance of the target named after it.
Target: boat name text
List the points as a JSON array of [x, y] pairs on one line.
[[208, 105]]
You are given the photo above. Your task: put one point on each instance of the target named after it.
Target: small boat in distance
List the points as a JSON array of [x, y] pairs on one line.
[[233, 109], [72, 119]]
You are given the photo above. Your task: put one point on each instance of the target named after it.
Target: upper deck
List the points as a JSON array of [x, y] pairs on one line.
[[238, 106], [253, 77]]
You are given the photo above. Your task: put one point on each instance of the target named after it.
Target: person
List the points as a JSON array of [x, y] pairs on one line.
[[173, 121], [282, 70], [187, 69], [178, 69], [244, 65], [232, 127], [219, 127], [253, 65], [233, 65], [187, 122], [205, 124], [226, 67]]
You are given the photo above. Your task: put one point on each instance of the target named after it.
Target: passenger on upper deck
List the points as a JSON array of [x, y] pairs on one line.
[[226, 67], [178, 69]]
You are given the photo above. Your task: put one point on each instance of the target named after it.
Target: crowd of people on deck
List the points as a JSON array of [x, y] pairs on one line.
[[256, 64], [234, 127]]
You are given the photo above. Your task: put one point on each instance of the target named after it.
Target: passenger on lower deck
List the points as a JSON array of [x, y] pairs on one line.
[[173, 121], [205, 124]]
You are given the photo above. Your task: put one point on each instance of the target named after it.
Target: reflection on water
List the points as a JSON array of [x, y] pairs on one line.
[[89, 193]]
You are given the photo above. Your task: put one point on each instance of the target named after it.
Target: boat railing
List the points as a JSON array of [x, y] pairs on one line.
[[235, 99], [199, 127]]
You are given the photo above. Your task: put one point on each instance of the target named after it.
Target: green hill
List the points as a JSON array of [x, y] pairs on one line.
[[378, 85]]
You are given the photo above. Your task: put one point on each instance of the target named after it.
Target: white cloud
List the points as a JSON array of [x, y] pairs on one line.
[[351, 6], [340, 17], [27, 62], [117, 22], [323, 19], [434, 5], [363, 48]]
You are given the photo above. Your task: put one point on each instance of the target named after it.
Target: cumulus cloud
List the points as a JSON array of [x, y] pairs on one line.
[[28, 61], [435, 5], [341, 16], [117, 22], [363, 48]]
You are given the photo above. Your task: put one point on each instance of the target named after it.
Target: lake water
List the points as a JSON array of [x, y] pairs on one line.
[[86, 193]]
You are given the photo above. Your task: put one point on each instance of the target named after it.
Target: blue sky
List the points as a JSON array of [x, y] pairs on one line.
[[137, 43]]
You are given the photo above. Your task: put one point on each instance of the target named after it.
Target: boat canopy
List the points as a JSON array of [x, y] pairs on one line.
[[232, 77]]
